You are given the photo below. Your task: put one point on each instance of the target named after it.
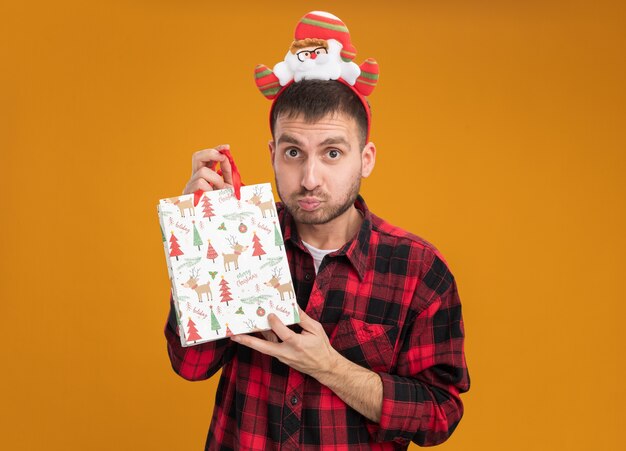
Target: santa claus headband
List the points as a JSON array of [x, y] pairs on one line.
[[322, 50]]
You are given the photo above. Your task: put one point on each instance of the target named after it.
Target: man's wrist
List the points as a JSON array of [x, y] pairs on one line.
[[359, 387], [333, 369]]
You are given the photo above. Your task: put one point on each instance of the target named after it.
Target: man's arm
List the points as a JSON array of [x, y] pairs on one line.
[[419, 403], [310, 352], [358, 387]]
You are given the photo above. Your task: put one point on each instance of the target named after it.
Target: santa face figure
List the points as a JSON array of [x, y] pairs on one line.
[[315, 59]]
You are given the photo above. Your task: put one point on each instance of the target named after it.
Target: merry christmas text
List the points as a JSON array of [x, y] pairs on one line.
[[245, 277]]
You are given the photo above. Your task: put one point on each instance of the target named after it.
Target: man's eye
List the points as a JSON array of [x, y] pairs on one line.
[[292, 153], [333, 154]]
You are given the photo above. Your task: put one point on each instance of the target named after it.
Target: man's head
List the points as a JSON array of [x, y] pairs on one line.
[[320, 120], [318, 151], [315, 99]]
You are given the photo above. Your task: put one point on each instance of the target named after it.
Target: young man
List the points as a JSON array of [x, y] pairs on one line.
[[377, 360]]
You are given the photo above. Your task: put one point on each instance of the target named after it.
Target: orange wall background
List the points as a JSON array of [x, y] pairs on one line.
[[500, 129]]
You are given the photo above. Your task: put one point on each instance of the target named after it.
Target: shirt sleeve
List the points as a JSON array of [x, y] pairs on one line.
[[197, 362], [421, 400]]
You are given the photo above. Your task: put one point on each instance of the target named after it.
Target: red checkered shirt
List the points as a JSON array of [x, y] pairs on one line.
[[388, 303]]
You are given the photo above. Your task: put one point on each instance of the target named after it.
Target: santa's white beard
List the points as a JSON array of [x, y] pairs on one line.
[[310, 64], [324, 67], [328, 66]]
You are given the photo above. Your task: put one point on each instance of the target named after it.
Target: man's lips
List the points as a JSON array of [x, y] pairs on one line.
[[309, 203]]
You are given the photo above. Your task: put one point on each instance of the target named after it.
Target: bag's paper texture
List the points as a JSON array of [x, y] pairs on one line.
[[226, 262]]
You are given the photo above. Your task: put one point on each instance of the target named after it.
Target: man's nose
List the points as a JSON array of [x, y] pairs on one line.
[[313, 55], [310, 178]]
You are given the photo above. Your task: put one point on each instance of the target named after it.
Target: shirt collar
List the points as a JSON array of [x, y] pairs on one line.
[[356, 250]]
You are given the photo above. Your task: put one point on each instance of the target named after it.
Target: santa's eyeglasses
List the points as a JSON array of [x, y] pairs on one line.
[[304, 55]]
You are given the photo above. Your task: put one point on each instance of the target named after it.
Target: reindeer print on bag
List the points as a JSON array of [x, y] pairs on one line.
[[183, 205], [199, 289], [263, 206], [281, 287], [234, 257]]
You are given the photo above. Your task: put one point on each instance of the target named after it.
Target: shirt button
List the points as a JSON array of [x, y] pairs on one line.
[[307, 277], [294, 400]]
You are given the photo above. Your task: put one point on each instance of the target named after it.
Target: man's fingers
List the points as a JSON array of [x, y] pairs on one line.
[[281, 331], [194, 186], [216, 181], [204, 157], [269, 335], [264, 346], [227, 171], [222, 147], [203, 165], [204, 179], [304, 318], [213, 178], [307, 323]]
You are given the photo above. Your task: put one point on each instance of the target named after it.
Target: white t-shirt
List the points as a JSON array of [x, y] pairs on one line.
[[317, 254]]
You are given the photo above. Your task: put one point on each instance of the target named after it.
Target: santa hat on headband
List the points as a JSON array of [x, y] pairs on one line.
[[323, 25], [322, 50]]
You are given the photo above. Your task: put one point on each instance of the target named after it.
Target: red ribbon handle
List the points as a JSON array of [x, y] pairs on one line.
[[235, 173]]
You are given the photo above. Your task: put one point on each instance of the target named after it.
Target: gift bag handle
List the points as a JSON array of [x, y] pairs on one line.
[[235, 172]]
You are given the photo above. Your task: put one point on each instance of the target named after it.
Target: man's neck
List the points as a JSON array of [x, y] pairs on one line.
[[333, 234]]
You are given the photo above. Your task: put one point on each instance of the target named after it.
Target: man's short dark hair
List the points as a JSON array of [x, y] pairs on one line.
[[315, 99]]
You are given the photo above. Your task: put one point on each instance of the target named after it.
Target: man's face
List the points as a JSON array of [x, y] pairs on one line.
[[319, 166]]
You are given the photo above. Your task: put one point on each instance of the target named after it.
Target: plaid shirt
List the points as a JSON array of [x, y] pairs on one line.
[[387, 302]]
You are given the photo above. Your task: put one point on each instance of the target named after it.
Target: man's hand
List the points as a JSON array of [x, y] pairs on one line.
[[309, 352], [206, 179]]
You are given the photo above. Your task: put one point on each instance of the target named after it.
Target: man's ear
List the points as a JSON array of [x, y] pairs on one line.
[[272, 149], [368, 159]]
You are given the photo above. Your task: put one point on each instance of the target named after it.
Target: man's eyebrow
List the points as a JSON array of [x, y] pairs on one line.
[[288, 139], [334, 140]]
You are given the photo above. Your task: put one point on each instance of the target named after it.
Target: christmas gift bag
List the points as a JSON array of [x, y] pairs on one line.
[[226, 262]]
